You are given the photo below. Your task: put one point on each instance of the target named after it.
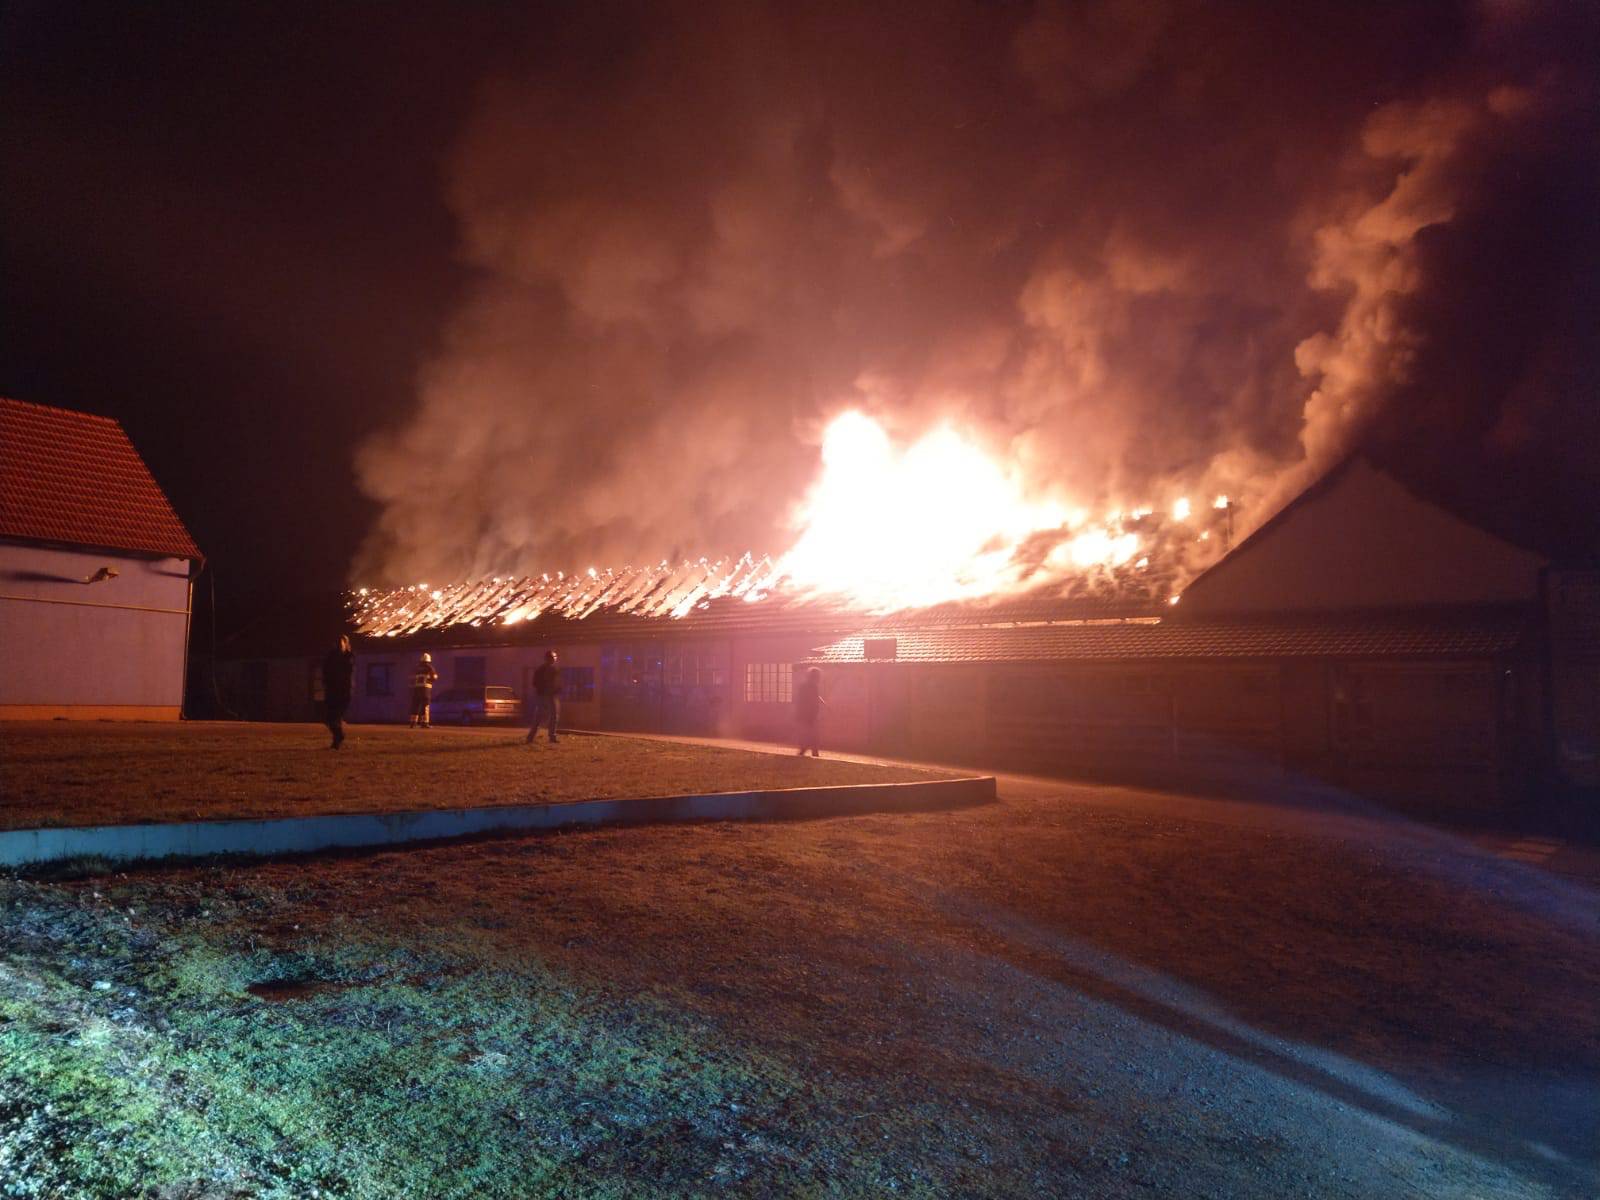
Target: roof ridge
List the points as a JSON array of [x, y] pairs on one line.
[[56, 409]]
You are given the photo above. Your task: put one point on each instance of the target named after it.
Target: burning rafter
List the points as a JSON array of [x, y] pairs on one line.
[[667, 592], [659, 591]]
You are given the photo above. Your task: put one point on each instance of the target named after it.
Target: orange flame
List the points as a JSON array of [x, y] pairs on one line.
[[883, 528], [937, 521]]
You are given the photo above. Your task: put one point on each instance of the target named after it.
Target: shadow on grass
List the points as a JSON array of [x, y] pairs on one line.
[[1545, 1131], [1236, 775]]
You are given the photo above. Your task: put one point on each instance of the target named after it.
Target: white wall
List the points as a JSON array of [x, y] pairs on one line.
[[117, 644], [1365, 542]]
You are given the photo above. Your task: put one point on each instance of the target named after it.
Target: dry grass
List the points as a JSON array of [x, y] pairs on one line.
[[1056, 995], [60, 773]]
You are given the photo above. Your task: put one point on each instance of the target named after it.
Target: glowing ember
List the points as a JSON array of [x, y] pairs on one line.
[[1095, 547], [661, 591], [1180, 510], [938, 521]]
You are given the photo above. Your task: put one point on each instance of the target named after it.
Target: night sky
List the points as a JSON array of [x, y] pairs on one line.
[[225, 227], [467, 288]]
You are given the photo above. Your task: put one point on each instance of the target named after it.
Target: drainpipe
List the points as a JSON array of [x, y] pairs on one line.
[[871, 738], [195, 567]]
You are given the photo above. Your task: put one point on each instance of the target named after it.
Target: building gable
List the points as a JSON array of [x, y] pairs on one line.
[[1360, 540], [74, 479]]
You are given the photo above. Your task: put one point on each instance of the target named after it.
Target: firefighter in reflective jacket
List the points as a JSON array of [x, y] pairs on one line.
[[422, 691]]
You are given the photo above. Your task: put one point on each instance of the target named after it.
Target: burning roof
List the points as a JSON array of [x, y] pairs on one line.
[[661, 591], [884, 527], [939, 527], [719, 594]]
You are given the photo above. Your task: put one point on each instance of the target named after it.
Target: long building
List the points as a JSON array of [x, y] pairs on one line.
[[1364, 636]]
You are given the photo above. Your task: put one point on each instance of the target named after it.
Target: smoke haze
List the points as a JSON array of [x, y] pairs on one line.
[[1138, 249]]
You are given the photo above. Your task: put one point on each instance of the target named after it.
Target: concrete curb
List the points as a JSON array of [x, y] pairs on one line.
[[304, 835]]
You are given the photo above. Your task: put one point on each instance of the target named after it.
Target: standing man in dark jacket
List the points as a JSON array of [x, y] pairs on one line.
[[808, 706], [546, 697], [338, 669]]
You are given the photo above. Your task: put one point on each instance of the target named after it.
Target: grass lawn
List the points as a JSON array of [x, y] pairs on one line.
[[1057, 995], [68, 773]]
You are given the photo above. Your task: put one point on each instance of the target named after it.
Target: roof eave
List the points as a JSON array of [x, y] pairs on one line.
[[17, 539]]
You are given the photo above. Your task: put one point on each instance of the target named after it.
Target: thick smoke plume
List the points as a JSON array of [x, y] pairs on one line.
[[1140, 249]]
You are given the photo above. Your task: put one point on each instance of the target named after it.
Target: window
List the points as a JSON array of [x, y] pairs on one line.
[[253, 682], [768, 683], [883, 647], [577, 684], [378, 679], [696, 667], [631, 674], [251, 700]]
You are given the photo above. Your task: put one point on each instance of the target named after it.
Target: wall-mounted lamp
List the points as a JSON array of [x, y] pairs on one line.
[[103, 574]]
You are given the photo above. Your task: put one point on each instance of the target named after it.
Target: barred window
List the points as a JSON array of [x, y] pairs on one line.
[[577, 684], [768, 683], [696, 667]]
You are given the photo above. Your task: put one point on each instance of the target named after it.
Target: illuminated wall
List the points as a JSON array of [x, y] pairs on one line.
[[109, 649]]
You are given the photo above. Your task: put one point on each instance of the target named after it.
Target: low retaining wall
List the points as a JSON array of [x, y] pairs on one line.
[[302, 835]]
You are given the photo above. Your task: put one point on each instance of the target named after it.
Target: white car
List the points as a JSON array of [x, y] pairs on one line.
[[474, 706]]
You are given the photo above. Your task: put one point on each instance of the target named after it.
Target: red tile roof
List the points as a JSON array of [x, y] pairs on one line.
[[76, 478], [1332, 638]]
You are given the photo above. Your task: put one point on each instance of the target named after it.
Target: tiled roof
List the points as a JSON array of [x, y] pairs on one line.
[[1028, 608], [1332, 638], [76, 478]]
